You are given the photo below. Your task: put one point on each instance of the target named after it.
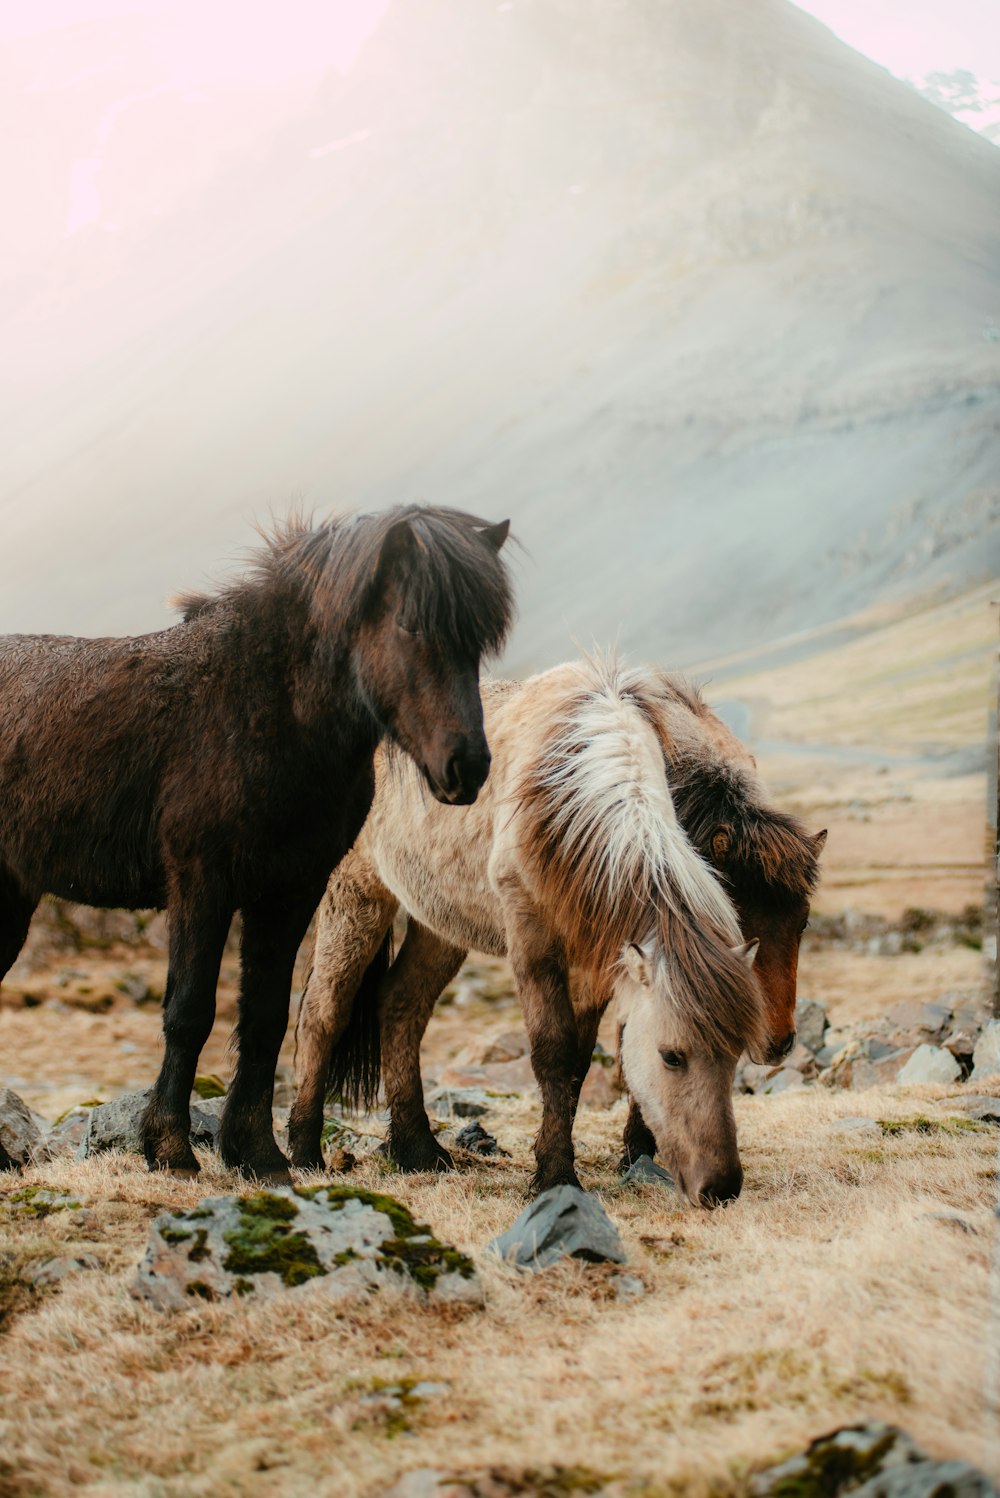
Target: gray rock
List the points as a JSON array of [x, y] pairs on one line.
[[986, 1056], [460, 1102], [929, 1063], [646, 1172], [563, 1222], [49, 1272], [116, 1125], [870, 1461], [782, 1079], [628, 1286], [811, 1023], [474, 1137], [855, 1126], [332, 1240], [839, 1461], [928, 1480], [979, 1108], [20, 1137], [924, 1020], [65, 1136]]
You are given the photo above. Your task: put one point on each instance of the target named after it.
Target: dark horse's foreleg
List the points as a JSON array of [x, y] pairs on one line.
[[354, 917], [198, 931], [539, 964], [272, 932], [16, 910], [409, 992]]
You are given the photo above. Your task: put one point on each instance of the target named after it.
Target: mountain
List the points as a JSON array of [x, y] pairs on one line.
[[702, 299]]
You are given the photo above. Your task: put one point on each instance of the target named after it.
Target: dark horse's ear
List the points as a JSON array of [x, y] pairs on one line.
[[819, 840], [720, 846], [497, 534], [398, 548]]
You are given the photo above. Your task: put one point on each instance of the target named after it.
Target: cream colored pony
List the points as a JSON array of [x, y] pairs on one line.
[[571, 860]]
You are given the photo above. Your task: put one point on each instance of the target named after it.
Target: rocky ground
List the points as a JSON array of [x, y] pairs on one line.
[[849, 1284]]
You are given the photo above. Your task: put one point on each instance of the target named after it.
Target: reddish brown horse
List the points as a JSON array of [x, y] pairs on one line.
[[226, 764]]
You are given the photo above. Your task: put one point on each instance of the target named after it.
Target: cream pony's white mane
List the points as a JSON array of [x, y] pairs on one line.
[[604, 838]]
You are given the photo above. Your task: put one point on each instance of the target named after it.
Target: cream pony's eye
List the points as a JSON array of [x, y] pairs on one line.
[[675, 1060]]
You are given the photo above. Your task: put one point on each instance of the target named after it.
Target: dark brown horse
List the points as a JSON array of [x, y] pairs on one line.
[[226, 765]]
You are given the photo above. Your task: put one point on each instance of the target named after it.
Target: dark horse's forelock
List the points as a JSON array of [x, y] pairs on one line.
[[769, 855], [456, 587]]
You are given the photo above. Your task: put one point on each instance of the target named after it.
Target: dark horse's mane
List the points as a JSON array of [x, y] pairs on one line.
[[770, 855], [452, 592]]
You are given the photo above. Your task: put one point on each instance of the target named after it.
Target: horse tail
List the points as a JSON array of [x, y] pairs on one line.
[[355, 1068]]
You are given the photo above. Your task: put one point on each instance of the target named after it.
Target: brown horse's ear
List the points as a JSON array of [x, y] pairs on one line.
[[748, 951], [636, 964], [497, 534], [819, 841], [721, 839]]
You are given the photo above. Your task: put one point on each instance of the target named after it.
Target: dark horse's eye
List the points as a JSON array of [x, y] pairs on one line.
[[408, 629], [803, 928], [673, 1059]]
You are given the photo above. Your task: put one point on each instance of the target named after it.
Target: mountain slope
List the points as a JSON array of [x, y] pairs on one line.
[[699, 296]]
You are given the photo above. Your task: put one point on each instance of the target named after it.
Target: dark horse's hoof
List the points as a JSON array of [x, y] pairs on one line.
[[546, 1183], [412, 1160], [169, 1149]]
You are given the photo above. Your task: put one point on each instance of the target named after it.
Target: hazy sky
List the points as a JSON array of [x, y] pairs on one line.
[[115, 109]]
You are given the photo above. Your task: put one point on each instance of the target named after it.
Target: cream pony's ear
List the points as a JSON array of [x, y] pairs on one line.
[[637, 964], [748, 951]]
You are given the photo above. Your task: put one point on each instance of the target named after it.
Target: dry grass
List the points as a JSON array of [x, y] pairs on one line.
[[825, 1294]]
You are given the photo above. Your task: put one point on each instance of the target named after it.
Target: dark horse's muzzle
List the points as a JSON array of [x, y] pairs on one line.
[[464, 775]]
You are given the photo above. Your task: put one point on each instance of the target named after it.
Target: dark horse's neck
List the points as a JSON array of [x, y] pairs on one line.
[[279, 658]]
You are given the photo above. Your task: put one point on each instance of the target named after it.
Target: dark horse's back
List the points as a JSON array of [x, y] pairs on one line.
[[86, 731]]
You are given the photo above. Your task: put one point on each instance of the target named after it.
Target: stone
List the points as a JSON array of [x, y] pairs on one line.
[[928, 1480], [855, 1126], [962, 1043], [498, 1078], [929, 1063], [801, 1059], [66, 1134], [335, 1241], [870, 1461], [563, 1222], [510, 1046], [838, 1461], [628, 1286], [986, 1056], [928, 1020], [20, 1137], [645, 1172], [475, 1138], [979, 1108], [39, 1201], [48, 1272], [781, 1079], [811, 1023], [864, 1063], [602, 1086], [115, 1125], [463, 1102]]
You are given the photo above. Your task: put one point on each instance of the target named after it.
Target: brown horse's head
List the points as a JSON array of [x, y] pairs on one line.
[[438, 599], [770, 866]]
